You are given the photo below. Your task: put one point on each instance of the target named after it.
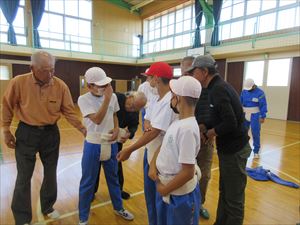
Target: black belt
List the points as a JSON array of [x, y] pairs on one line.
[[44, 127]]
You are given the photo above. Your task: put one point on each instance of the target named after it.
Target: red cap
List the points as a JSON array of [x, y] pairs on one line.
[[160, 69]]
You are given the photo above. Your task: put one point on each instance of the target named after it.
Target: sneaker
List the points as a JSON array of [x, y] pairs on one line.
[[125, 195], [256, 156], [204, 213], [83, 222], [125, 214], [53, 215]]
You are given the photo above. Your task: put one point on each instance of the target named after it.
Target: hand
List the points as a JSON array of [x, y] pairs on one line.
[[152, 173], [147, 126], [211, 133], [161, 189], [108, 92], [261, 120], [9, 139], [123, 155], [83, 131], [125, 137], [203, 138], [114, 132]]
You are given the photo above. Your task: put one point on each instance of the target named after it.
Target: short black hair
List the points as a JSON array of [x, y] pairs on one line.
[[164, 80], [191, 101]]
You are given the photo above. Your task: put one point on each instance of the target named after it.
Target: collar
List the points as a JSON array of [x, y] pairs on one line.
[[215, 78]]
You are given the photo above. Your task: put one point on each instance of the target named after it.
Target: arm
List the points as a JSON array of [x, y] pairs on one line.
[[100, 114], [222, 104], [152, 173], [115, 131], [143, 140], [187, 172], [10, 99], [262, 106], [68, 110]]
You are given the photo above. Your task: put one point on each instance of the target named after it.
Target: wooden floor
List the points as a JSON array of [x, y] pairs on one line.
[[266, 202]]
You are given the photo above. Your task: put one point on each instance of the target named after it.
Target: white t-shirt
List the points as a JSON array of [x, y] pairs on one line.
[[90, 104], [150, 92], [160, 116], [180, 145]]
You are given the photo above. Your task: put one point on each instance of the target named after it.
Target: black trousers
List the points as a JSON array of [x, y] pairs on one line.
[[120, 172], [29, 141], [232, 184]]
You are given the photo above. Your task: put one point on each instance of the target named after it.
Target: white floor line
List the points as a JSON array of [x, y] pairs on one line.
[[76, 212], [279, 148], [38, 207], [279, 171]]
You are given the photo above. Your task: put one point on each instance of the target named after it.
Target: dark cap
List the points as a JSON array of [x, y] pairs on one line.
[[202, 61]]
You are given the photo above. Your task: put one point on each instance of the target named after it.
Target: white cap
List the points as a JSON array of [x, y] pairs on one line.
[[186, 86], [96, 75], [248, 84]]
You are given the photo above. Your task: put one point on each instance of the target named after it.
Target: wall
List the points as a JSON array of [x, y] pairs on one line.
[[235, 73], [70, 71], [115, 27]]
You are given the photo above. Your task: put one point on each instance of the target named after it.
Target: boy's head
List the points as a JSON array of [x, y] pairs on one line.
[[96, 80], [160, 74], [186, 92]]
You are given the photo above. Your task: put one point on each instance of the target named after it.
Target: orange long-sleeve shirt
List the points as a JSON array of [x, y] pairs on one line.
[[37, 105]]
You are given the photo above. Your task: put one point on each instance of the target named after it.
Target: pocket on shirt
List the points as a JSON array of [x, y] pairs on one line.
[[53, 105]]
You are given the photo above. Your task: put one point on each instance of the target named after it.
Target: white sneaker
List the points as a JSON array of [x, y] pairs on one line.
[[53, 215], [83, 222], [256, 156], [125, 214]]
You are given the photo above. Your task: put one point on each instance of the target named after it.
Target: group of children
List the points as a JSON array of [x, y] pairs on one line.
[[172, 140]]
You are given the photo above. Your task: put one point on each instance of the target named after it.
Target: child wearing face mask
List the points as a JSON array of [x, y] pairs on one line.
[[99, 107], [174, 166], [158, 118]]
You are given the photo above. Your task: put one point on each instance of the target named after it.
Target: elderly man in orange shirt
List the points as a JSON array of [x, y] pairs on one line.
[[38, 98]]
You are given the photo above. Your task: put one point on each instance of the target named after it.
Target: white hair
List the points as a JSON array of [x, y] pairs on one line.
[[138, 96], [40, 56]]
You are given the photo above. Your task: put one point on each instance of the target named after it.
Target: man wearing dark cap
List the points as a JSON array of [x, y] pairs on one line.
[[231, 139], [158, 118]]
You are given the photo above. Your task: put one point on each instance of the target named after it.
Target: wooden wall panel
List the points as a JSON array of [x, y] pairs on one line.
[[235, 71], [221, 67], [294, 99]]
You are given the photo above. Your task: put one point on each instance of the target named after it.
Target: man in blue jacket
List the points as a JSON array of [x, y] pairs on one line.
[[255, 107]]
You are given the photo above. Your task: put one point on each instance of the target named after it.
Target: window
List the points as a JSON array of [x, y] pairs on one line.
[[255, 71], [171, 29], [4, 72], [64, 26], [247, 17], [177, 72], [278, 72], [135, 46], [19, 26]]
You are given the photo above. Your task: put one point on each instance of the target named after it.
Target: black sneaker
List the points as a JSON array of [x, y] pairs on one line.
[[125, 195]]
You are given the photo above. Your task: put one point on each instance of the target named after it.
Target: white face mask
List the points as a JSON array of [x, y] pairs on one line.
[[155, 91], [100, 91]]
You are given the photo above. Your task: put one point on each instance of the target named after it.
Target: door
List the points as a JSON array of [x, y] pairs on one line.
[[273, 77]]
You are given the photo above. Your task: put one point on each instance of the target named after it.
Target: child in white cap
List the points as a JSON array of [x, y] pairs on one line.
[[98, 108], [175, 169]]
